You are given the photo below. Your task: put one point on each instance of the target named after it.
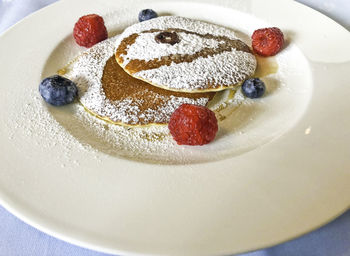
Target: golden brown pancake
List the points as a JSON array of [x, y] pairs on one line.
[[108, 92], [186, 55]]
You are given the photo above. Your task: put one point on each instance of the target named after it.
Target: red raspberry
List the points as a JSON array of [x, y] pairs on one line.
[[193, 125], [89, 30], [267, 41]]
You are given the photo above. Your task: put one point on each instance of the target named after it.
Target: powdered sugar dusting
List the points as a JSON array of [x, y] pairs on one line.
[[218, 70], [32, 121], [87, 72], [193, 76], [73, 128], [146, 48], [68, 130], [167, 22]]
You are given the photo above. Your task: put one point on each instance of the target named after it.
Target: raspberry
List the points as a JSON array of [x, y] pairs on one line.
[[193, 125], [267, 41], [89, 30]]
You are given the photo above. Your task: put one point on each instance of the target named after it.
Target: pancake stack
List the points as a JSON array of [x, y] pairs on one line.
[[140, 77]]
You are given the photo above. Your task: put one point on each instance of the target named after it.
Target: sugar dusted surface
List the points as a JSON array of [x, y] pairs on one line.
[[180, 22], [87, 72], [152, 144], [193, 76], [230, 68], [146, 48], [76, 130]]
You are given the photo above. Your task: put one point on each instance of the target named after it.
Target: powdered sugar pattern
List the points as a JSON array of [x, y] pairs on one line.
[[164, 22], [87, 72], [74, 129], [193, 76], [146, 48], [215, 72]]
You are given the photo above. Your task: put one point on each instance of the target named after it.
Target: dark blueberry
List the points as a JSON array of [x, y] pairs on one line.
[[167, 38], [58, 90], [147, 14], [253, 88]]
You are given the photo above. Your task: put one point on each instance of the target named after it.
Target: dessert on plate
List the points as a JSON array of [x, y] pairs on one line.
[[163, 70]]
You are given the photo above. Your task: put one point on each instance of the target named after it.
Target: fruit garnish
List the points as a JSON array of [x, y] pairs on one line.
[[253, 88], [193, 125], [147, 14], [89, 30], [58, 90], [167, 38], [267, 41]]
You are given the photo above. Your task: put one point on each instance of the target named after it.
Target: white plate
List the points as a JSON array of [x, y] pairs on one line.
[[280, 166]]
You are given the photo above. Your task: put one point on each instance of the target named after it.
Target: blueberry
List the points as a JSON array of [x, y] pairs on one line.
[[253, 88], [58, 90], [147, 14]]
